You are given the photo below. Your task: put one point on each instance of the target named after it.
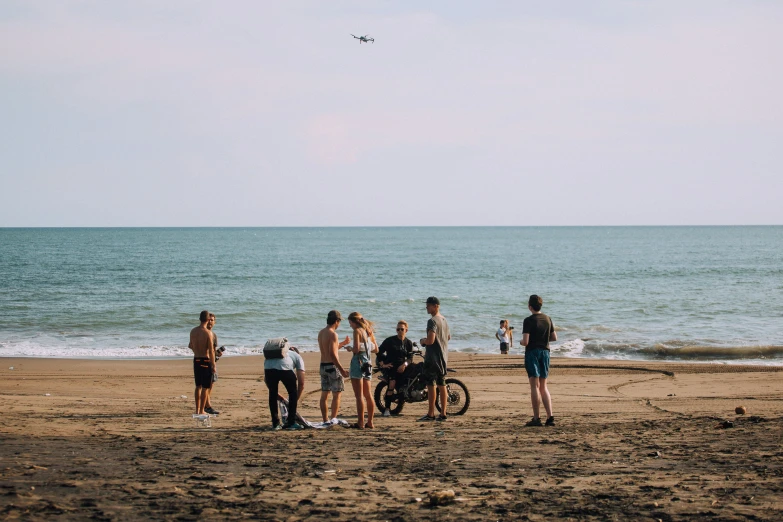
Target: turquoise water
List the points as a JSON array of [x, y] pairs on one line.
[[679, 293]]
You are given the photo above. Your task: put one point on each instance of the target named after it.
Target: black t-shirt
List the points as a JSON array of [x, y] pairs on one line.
[[394, 351], [539, 327]]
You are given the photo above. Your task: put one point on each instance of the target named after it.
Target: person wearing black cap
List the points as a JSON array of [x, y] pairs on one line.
[[436, 358]]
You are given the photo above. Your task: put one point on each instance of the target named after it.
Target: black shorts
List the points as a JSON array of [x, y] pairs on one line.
[[432, 374], [503, 347], [202, 371]]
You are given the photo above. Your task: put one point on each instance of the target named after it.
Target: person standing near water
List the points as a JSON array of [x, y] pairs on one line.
[[435, 359], [364, 345], [332, 372], [203, 360], [210, 325], [504, 336], [537, 331]]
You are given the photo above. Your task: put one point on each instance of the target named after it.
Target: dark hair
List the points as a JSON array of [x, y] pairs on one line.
[[502, 322], [211, 314], [204, 316], [535, 302], [332, 317]]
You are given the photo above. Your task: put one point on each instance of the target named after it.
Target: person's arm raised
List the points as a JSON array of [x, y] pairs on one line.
[[335, 349]]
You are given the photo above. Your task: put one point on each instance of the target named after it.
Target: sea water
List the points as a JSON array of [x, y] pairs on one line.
[[664, 293]]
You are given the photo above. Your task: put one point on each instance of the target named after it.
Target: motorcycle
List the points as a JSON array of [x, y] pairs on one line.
[[411, 387]]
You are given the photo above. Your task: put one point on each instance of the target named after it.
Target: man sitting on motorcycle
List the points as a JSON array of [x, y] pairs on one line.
[[394, 355]]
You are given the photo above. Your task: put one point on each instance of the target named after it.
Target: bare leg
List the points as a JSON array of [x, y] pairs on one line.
[[534, 396], [336, 403], [209, 397], [431, 399], [202, 400], [443, 399], [322, 404], [197, 397], [357, 391], [545, 397], [370, 404]]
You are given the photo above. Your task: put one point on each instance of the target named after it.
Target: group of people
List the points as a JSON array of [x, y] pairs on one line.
[[393, 357]]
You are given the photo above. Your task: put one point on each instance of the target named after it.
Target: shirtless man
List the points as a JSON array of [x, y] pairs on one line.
[[203, 360], [332, 372], [210, 325]]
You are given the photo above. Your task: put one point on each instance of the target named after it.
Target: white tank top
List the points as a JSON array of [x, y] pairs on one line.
[[503, 334]]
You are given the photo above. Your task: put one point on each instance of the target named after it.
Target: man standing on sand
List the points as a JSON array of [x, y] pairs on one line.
[[537, 331], [332, 372], [210, 325], [435, 359], [203, 360]]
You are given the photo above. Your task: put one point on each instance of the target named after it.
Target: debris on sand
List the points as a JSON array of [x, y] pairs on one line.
[[740, 410], [724, 425], [442, 498]]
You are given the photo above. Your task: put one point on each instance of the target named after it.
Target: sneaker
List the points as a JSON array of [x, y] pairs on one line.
[[550, 421], [426, 418], [387, 412], [535, 421], [294, 427], [212, 411], [277, 427], [442, 418]]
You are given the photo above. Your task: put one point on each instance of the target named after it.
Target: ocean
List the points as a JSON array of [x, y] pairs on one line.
[[633, 293]]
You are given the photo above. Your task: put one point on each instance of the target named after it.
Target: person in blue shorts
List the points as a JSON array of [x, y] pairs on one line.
[[537, 331]]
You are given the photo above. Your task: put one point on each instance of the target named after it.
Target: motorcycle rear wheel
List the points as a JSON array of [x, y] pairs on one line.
[[458, 400], [395, 407]]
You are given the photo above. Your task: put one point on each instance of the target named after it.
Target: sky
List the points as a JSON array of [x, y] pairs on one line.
[[519, 113]]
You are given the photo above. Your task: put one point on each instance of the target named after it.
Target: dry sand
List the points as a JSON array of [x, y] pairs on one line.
[[113, 440]]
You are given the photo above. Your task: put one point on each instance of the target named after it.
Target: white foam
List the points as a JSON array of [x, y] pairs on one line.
[[574, 348], [32, 349]]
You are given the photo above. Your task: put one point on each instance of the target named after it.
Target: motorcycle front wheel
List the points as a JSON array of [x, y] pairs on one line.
[[458, 399], [395, 406]]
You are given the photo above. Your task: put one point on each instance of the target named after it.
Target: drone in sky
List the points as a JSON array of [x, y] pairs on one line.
[[366, 38]]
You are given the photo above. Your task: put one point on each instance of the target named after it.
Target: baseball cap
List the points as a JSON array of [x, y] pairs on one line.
[[433, 300]]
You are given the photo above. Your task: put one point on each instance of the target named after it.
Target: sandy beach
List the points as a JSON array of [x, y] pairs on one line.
[[114, 440]]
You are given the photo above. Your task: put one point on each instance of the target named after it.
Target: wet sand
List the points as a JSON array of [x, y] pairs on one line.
[[634, 441]]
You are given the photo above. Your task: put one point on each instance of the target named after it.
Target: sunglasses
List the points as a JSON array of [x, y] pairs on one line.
[[400, 329]]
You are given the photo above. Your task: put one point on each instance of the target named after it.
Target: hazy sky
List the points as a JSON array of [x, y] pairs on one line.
[[194, 113]]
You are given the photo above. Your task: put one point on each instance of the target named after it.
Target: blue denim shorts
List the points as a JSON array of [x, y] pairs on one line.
[[356, 372], [537, 363]]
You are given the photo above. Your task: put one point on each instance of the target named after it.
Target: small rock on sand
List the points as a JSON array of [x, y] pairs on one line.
[[740, 410]]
